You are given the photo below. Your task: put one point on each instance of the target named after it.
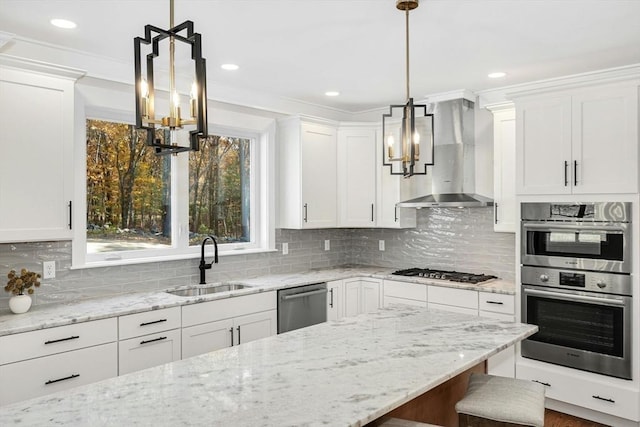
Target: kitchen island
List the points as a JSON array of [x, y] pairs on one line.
[[343, 373]]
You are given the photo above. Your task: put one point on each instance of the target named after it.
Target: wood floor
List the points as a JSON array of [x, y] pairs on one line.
[[557, 419]]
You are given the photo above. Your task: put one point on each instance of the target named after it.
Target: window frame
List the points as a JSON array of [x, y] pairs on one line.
[[262, 222]]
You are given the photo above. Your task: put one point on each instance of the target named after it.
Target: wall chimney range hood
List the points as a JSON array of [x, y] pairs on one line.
[[452, 177]]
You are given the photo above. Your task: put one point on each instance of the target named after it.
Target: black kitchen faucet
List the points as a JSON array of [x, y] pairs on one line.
[[203, 265]]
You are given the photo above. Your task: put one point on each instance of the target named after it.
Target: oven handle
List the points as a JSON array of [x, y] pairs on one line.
[[304, 294], [585, 228], [573, 297]]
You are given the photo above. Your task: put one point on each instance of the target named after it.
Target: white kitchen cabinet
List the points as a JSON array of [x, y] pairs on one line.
[[36, 178], [582, 141], [307, 174], [334, 300], [148, 339], [356, 176], [502, 307], [48, 360], [395, 292], [504, 169], [452, 299], [361, 295], [223, 323]]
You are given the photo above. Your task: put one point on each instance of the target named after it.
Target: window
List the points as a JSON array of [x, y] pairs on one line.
[[144, 207]]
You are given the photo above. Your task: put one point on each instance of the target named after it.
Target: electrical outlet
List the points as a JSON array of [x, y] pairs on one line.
[[327, 245], [49, 270], [381, 245], [285, 248]]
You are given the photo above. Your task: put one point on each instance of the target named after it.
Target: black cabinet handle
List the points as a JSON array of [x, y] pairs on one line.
[[62, 379], [74, 337], [70, 216], [305, 212], [575, 172], [371, 212], [495, 302], [331, 299], [604, 398], [231, 330], [566, 180], [239, 342], [495, 214], [395, 214], [153, 340], [540, 382], [153, 323]]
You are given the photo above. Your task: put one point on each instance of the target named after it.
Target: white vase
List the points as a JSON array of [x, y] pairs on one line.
[[20, 303]]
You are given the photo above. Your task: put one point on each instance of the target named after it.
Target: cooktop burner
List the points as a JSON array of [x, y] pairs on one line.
[[453, 276]]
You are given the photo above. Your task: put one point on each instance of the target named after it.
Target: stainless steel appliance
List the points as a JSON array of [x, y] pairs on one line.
[[586, 236], [452, 276], [584, 319], [302, 306], [576, 285]]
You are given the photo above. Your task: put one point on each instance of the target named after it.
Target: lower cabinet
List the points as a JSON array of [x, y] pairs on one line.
[[452, 299], [404, 293], [146, 351], [224, 323], [361, 296], [334, 300]]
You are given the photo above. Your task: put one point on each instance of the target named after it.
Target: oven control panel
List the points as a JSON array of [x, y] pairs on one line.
[[619, 284]]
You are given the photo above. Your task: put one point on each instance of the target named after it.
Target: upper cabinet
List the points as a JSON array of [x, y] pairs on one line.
[[504, 170], [308, 174], [36, 133], [583, 141]]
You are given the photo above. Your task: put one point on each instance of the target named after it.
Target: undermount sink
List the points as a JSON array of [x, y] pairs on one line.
[[197, 291]]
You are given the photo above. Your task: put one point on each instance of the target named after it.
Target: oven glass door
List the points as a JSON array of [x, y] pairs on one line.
[[577, 321]]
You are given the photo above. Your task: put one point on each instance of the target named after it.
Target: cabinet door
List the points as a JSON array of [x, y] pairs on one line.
[[255, 326], [543, 145], [369, 296], [207, 337], [351, 297], [149, 350], [319, 176], [605, 140], [44, 375], [357, 177], [36, 178], [334, 300], [504, 170]]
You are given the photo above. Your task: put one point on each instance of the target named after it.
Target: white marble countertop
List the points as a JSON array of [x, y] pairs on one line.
[[343, 373], [48, 316]]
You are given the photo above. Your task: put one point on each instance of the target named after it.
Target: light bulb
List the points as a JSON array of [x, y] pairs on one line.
[[194, 90], [416, 145], [390, 142], [176, 99], [144, 88]]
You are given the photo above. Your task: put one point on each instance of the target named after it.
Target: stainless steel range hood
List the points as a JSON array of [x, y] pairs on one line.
[[450, 182]]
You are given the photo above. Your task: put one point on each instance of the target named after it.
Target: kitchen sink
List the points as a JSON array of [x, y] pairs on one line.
[[205, 290]]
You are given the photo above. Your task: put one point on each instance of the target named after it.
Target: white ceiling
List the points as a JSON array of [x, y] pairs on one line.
[[298, 49]]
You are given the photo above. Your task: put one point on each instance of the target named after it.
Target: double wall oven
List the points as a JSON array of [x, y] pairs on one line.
[[576, 285]]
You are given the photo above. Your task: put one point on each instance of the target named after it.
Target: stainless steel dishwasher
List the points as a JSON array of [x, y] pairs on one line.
[[302, 306]]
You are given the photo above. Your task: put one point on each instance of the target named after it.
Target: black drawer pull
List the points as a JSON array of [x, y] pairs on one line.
[[153, 323], [604, 398], [495, 302], [62, 379], [153, 340], [74, 337], [231, 330], [540, 382]]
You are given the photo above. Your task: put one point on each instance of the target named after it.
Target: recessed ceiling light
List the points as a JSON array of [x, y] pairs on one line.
[[497, 75], [63, 23], [332, 93], [229, 67]]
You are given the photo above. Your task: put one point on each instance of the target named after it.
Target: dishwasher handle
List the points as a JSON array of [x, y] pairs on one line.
[[303, 294]]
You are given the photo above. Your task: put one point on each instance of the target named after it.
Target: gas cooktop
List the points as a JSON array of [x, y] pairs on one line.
[[453, 276]]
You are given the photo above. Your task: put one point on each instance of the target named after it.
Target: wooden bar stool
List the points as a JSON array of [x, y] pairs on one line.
[[492, 401]]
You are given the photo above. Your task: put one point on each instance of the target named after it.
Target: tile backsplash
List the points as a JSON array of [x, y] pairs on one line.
[[447, 238]]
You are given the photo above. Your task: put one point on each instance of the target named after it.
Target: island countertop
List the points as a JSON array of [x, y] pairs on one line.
[[342, 373]]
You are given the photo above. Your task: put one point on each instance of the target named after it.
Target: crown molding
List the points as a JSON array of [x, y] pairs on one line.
[[41, 67]]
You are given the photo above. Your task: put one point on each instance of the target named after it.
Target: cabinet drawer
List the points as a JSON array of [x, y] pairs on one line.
[[452, 296], [497, 303], [49, 341], [405, 290], [388, 300], [591, 394], [453, 309], [44, 375], [150, 350], [228, 307], [149, 322]]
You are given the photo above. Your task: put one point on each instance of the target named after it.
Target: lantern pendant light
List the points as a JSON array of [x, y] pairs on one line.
[[407, 129]]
